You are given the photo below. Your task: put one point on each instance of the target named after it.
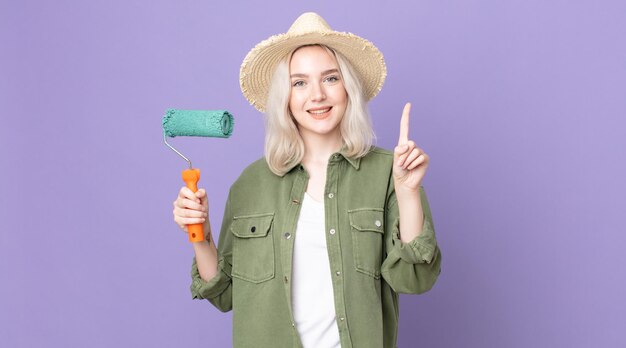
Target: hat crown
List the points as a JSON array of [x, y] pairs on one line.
[[309, 22]]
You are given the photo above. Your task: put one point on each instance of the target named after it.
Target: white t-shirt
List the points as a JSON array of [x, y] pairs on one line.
[[312, 288]]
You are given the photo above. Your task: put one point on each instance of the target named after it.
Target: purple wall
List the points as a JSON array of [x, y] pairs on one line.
[[520, 104]]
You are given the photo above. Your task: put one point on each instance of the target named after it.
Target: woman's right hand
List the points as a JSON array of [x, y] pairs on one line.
[[191, 208]]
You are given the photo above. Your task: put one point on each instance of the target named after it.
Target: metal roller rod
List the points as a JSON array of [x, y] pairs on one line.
[[180, 154]]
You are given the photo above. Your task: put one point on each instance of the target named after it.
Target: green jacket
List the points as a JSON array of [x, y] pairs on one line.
[[369, 263]]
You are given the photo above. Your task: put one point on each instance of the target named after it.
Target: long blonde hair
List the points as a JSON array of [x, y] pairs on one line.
[[284, 147]]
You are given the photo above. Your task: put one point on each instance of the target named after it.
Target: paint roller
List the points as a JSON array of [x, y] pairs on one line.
[[197, 123]]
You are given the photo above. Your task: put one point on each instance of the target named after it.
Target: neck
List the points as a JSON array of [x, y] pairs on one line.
[[318, 148]]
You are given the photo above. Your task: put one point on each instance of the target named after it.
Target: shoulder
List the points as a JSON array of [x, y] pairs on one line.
[[258, 167], [380, 152], [255, 174], [375, 166], [378, 156]]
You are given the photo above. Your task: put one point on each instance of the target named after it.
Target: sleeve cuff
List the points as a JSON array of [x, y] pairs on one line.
[[419, 250], [201, 289]]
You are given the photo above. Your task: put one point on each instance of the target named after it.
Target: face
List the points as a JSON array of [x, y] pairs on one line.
[[318, 98]]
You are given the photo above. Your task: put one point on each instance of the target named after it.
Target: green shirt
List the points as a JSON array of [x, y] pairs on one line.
[[368, 262]]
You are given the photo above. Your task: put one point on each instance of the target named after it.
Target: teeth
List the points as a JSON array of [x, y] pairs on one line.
[[318, 112]]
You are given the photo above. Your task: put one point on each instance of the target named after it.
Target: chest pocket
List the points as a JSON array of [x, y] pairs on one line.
[[253, 247], [367, 239]]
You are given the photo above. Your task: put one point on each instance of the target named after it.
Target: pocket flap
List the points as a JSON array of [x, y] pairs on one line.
[[252, 226], [367, 220]]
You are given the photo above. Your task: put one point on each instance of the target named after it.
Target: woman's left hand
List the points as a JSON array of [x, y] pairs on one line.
[[409, 161]]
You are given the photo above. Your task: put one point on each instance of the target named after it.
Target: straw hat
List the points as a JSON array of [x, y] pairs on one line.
[[258, 66]]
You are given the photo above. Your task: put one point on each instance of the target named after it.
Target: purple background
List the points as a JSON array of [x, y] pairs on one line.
[[520, 104]]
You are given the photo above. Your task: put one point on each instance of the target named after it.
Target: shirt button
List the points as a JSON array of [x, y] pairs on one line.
[[253, 229], [338, 273], [378, 223], [287, 235], [331, 195], [342, 318], [332, 231], [286, 280]]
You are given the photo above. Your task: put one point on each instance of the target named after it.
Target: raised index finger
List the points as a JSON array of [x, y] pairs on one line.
[[404, 125]]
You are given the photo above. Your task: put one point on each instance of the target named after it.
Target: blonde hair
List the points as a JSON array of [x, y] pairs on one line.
[[284, 147]]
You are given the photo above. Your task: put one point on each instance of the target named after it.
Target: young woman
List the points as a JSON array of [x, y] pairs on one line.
[[320, 235]]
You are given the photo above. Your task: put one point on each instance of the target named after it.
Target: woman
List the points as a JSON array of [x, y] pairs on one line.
[[320, 235]]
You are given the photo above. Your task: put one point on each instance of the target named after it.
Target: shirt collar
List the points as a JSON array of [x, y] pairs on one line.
[[355, 162], [336, 157]]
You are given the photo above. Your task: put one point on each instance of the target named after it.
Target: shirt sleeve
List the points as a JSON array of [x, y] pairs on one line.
[[218, 290], [413, 267]]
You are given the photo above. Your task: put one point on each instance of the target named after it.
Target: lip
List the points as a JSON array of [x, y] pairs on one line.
[[320, 116]]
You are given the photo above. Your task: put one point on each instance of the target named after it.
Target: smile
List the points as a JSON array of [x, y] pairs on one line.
[[319, 114]]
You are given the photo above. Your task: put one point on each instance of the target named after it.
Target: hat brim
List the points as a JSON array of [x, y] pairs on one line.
[[259, 65]]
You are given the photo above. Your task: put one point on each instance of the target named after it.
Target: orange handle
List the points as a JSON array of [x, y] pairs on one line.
[[191, 177]]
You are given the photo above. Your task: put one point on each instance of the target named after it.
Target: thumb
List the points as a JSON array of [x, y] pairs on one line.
[[201, 194]]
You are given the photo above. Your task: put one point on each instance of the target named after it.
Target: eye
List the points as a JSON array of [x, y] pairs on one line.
[[298, 83], [332, 78]]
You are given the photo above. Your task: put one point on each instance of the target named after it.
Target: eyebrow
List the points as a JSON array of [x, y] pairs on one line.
[[329, 71]]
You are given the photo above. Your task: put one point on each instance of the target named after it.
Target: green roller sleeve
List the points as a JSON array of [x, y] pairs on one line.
[[198, 123]]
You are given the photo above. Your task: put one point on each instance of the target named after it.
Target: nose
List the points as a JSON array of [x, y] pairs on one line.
[[317, 92]]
